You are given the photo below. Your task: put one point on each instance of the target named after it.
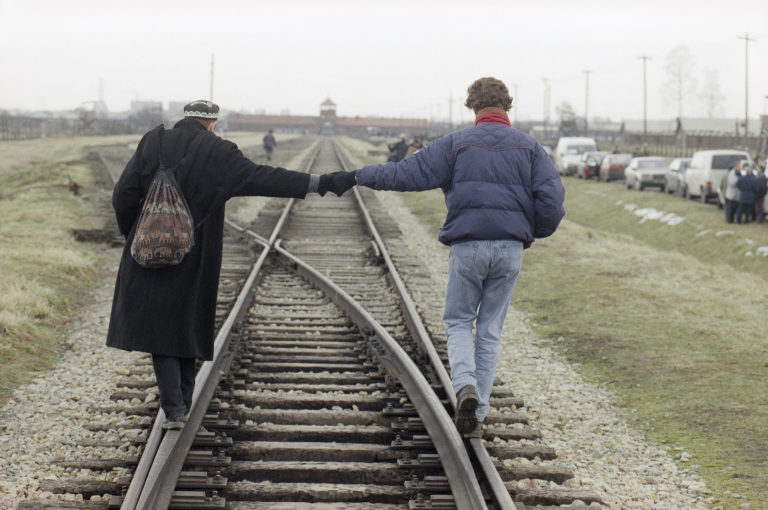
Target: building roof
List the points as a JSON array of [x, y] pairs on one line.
[[381, 122], [277, 120], [692, 125], [328, 102]]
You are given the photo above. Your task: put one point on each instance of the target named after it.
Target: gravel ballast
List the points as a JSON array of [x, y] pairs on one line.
[[45, 419]]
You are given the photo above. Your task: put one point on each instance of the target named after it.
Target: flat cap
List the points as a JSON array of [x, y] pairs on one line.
[[202, 109]]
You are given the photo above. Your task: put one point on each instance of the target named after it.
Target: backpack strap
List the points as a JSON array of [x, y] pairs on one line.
[[160, 146]]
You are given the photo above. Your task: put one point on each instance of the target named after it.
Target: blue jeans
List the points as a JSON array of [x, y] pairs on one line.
[[481, 277]]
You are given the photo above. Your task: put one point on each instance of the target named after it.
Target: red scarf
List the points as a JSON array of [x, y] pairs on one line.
[[492, 115]]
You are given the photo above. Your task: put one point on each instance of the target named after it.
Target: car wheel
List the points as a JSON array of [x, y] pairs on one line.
[[703, 197]]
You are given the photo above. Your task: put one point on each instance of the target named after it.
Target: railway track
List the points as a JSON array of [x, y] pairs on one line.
[[326, 391]]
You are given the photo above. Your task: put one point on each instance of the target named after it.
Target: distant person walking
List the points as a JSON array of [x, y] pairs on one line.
[[502, 192], [732, 192], [269, 144], [170, 312], [747, 190]]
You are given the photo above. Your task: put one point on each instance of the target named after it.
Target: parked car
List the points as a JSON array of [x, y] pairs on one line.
[[646, 171], [703, 177], [590, 164], [568, 153], [676, 175], [613, 165]]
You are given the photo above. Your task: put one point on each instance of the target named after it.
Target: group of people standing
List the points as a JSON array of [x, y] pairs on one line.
[[744, 193]]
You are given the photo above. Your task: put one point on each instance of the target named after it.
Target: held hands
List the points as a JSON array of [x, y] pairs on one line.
[[337, 182]]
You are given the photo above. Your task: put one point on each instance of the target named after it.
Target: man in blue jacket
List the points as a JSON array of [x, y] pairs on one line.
[[502, 191]]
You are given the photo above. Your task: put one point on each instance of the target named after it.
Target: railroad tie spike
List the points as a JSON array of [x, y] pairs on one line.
[[417, 442], [430, 484]]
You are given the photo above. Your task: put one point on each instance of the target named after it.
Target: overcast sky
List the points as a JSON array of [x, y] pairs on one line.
[[388, 58]]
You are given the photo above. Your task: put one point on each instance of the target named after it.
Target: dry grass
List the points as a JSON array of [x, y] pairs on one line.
[[19, 154], [46, 273], [254, 139]]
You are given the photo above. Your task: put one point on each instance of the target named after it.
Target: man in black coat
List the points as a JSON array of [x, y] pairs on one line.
[[170, 312]]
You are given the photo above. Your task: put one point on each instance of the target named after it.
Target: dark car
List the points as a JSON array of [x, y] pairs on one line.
[[590, 164], [676, 176], [613, 165]]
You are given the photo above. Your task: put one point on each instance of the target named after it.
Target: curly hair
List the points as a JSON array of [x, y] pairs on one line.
[[485, 92]]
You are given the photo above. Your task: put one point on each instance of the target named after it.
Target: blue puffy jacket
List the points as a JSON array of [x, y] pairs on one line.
[[498, 184]]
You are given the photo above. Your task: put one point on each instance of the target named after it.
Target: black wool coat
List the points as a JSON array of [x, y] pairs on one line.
[[171, 311]]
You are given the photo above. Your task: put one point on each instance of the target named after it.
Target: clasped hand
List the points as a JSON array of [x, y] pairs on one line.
[[337, 182]]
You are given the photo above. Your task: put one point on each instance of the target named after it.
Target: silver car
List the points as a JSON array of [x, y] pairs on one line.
[[646, 172]]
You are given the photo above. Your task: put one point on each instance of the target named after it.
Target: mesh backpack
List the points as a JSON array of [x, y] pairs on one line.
[[165, 231]]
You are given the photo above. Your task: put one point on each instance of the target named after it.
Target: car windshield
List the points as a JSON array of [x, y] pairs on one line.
[[652, 163], [579, 149], [684, 166], [725, 161], [621, 159]]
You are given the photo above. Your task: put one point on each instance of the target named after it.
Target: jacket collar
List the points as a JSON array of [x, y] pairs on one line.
[[190, 123]]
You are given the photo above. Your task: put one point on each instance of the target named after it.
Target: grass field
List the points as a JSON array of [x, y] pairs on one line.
[[660, 299], [46, 274]]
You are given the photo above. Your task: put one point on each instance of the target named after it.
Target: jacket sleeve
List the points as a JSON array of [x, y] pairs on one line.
[[246, 178], [548, 195], [128, 193], [428, 168]]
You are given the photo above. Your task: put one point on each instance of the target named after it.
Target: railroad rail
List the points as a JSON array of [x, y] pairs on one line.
[[325, 387]]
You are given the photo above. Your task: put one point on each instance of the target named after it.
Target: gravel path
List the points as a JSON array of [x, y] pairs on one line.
[[45, 419]]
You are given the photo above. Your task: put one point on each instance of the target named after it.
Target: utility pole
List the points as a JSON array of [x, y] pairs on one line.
[[546, 107], [586, 101], [645, 58], [514, 106], [747, 40], [211, 76]]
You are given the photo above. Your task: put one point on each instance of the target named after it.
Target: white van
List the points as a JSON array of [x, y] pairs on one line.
[[568, 153], [703, 177]]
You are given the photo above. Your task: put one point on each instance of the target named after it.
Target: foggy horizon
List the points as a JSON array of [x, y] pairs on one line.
[[393, 60]]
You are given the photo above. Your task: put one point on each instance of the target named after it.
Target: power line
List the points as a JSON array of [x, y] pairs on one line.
[[645, 58], [586, 100], [747, 40]]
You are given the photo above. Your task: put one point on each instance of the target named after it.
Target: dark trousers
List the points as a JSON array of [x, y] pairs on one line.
[[746, 212], [730, 210], [176, 383], [759, 212]]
